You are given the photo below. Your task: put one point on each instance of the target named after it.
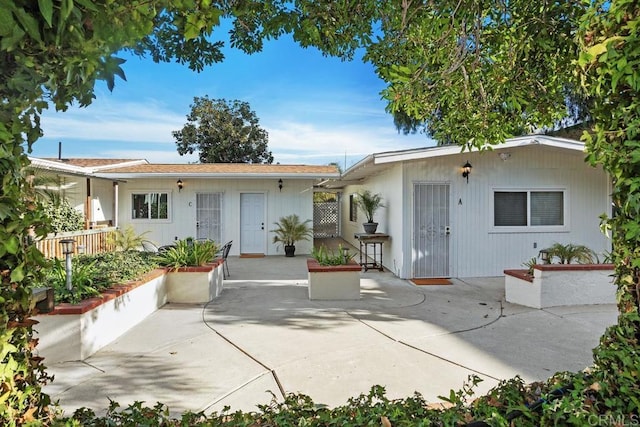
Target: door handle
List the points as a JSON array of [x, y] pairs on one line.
[[262, 226], [447, 230]]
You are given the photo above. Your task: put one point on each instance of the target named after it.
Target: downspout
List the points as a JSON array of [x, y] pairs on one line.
[[87, 206], [116, 187]]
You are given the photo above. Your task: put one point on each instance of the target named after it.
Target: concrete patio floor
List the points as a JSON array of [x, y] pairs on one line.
[[263, 337]]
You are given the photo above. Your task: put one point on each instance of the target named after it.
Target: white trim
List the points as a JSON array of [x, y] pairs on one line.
[[167, 220], [531, 228], [448, 150]]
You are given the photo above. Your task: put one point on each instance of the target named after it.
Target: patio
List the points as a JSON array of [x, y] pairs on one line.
[[263, 337]]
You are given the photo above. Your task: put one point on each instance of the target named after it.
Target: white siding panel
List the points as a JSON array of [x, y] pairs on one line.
[[476, 248], [296, 197]]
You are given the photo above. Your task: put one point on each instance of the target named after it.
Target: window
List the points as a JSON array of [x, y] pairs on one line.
[[150, 206], [529, 208], [353, 208]]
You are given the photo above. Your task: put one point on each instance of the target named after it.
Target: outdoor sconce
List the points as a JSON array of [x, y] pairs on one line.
[[180, 185], [466, 171], [280, 184], [544, 256], [67, 250]]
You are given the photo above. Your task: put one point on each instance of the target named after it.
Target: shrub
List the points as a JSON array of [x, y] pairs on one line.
[[188, 252], [127, 239], [63, 216], [570, 252], [92, 274], [326, 257]]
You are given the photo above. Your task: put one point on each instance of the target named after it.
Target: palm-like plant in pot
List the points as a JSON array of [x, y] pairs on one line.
[[369, 203], [289, 230]]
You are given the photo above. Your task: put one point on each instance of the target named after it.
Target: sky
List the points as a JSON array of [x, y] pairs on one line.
[[316, 109]]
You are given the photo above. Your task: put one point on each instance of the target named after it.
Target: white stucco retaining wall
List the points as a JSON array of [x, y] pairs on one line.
[[65, 337], [557, 285]]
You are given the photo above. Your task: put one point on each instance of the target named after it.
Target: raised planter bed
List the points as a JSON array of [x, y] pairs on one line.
[[76, 331], [554, 285], [334, 282]]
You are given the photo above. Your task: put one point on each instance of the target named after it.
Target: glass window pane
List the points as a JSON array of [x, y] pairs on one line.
[[547, 208], [140, 208], [509, 208]]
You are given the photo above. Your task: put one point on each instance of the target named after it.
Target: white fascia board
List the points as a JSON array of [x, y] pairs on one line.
[[448, 150], [120, 165], [116, 175], [59, 167]]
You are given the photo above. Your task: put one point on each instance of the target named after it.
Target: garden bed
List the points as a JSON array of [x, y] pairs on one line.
[[561, 284], [76, 331], [334, 282]]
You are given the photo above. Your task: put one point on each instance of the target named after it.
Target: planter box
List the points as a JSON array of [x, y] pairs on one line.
[[561, 284], [334, 282], [195, 284], [77, 331]]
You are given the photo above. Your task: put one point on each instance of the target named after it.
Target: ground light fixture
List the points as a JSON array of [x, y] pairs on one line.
[[67, 250], [180, 185], [544, 256], [466, 171]]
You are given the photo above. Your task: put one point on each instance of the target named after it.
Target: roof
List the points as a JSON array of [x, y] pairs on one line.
[[223, 170], [139, 168], [374, 163]]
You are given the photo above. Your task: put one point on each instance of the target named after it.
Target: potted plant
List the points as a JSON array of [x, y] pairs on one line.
[[369, 203], [289, 230]]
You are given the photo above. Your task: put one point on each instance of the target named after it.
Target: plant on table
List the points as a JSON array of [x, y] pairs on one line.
[[325, 256], [369, 203], [188, 252], [289, 230]]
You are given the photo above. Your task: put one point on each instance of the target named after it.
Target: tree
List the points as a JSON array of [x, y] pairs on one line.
[[223, 132], [474, 72], [53, 53]]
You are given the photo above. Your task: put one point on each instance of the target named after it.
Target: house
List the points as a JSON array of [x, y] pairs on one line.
[[511, 202], [218, 201]]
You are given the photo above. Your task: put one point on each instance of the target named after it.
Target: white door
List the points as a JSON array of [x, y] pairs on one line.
[[430, 230], [252, 227], [209, 216]]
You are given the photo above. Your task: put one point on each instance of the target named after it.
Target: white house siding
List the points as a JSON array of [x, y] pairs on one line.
[[102, 196], [476, 248], [389, 218], [296, 197]]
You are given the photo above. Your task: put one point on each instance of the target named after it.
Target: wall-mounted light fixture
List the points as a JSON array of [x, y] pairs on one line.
[[504, 156], [466, 171], [280, 184], [180, 185], [67, 250]]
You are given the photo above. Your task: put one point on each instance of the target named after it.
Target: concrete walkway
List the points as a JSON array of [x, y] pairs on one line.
[[263, 337]]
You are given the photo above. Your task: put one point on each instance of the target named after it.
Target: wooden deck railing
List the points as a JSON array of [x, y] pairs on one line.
[[87, 241]]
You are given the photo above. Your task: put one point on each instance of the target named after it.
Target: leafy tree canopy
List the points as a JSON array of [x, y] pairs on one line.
[[475, 72], [223, 132]]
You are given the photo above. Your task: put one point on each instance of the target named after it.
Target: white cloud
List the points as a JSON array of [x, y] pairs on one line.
[[143, 129], [132, 122]]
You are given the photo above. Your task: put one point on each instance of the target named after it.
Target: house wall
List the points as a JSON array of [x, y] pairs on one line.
[[389, 218], [476, 247], [296, 197]]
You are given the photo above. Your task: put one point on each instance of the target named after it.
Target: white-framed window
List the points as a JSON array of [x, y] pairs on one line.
[[530, 209], [150, 206]]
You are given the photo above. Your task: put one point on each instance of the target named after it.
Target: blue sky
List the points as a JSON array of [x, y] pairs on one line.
[[316, 109]]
